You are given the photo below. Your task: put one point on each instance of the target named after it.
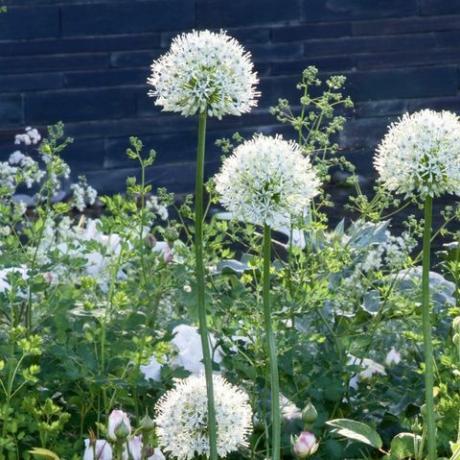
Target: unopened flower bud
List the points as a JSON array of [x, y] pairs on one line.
[[150, 240], [309, 413], [147, 424], [304, 445], [119, 426], [171, 235]]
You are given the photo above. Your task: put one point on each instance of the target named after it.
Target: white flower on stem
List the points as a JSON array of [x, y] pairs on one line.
[[102, 448], [204, 71], [151, 370], [393, 357], [304, 445], [182, 418], [187, 343], [118, 425], [267, 180], [368, 367], [289, 410], [421, 154]]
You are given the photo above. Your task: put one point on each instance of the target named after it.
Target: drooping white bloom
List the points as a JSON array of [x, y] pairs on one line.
[[151, 370], [182, 418], [204, 71], [421, 154], [187, 343], [267, 180], [118, 420], [102, 448], [393, 357]]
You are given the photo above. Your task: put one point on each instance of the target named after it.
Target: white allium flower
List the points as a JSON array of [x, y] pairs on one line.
[[421, 153], [204, 71], [182, 418], [267, 180], [102, 448], [187, 343]]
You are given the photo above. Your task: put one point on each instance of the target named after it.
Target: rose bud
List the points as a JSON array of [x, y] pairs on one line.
[[304, 445]]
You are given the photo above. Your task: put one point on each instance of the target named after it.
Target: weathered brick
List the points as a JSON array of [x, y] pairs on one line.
[[134, 58], [127, 17], [79, 45], [109, 77], [30, 82], [409, 25], [11, 108], [76, 105], [402, 83], [432, 7], [311, 31], [374, 45], [29, 23], [336, 63], [9, 65], [345, 10], [224, 13]]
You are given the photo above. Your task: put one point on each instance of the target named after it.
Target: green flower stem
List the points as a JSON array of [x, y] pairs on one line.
[[271, 347], [200, 285], [427, 333]]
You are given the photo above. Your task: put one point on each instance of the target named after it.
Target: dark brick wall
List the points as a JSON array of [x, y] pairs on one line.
[[85, 62]]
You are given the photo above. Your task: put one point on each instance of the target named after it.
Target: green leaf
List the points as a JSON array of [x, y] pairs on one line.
[[43, 453], [356, 431], [404, 445], [455, 451]]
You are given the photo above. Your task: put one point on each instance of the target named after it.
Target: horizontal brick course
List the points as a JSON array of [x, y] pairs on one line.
[[86, 62]]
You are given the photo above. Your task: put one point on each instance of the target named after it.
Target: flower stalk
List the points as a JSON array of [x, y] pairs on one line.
[[427, 332], [200, 284], [271, 347]]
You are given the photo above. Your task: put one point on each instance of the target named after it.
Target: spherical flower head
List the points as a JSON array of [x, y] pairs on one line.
[[420, 155], [204, 72], [268, 181], [182, 418]]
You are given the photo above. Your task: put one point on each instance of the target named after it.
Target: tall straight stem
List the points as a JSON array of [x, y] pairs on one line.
[[427, 333], [271, 348], [200, 285]]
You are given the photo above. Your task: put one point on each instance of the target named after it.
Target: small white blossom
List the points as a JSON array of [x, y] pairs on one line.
[[204, 71], [151, 370], [421, 154], [30, 137], [289, 410], [187, 343], [267, 180], [393, 357], [83, 194], [182, 418], [369, 369], [102, 448]]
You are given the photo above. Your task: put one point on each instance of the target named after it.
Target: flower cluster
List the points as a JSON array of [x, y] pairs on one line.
[[421, 154], [182, 418], [204, 72], [267, 181]]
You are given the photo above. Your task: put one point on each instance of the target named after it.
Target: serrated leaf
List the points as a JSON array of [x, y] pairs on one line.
[[356, 431], [43, 453]]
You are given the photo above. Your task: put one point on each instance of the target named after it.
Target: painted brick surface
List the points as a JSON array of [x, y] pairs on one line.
[[86, 62]]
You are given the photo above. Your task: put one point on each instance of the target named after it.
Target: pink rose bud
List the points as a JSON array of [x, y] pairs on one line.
[[304, 445], [119, 426]]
